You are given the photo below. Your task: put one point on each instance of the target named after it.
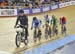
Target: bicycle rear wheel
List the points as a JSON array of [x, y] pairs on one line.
[[26, 40], [64, 30], [46, 34], [35, 36], [50, 32]]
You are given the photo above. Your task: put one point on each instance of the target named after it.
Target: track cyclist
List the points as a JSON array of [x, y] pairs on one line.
[[22, 21], [36, 23], [48, 20], [63, 24], [54, 25]]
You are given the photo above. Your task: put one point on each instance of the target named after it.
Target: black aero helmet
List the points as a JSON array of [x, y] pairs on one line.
[[34, 18], [21, 11]]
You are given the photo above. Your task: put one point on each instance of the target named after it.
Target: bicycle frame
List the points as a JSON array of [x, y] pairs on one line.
[[46, 31], [20, 36], [63, 29], [36, 34]]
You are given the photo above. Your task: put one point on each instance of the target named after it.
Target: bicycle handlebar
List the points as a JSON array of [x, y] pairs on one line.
[[19, 25]]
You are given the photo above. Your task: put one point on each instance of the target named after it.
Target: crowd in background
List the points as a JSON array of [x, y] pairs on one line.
[[28, 3]]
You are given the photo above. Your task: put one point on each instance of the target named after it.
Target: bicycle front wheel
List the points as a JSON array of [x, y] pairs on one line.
[[18, 40]]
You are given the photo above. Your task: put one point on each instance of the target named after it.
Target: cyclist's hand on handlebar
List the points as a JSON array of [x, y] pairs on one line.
[[43, 26], [31, 28], [15, 26]]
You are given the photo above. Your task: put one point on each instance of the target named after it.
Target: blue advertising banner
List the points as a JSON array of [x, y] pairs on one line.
[[54, 7], [36, 10], [46, 8], [27, 11], [14, 12]]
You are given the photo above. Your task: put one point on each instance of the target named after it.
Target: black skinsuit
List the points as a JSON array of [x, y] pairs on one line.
[[23, 21]]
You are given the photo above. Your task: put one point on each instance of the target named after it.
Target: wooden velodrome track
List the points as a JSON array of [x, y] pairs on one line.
[[7, 31]]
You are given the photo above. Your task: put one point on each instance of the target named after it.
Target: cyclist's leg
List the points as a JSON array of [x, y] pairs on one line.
[[39, 31], [39, 34], [26, 36], [53, 29], [26, 40], [35, 34], [56, 30], [26, 30], [22, 34], [65, 28], [46, 31], [50, 31], [62, 29]]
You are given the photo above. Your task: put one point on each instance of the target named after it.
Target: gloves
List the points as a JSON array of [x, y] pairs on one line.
[[43, 26], [31, 28], [15, 26]]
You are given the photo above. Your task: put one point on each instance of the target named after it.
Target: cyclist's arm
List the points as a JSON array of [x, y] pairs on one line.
[[39, 23], [32, 24], [17, 21]]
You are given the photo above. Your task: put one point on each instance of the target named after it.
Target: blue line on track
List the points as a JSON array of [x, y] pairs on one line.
[[50, 46]]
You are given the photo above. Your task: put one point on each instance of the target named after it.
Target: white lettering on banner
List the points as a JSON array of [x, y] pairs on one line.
[[67, 3], [62, 5], [36, 10], [15, 11], [54, 7], [8, 12], [26, 11], [46, 9], [72, 2]]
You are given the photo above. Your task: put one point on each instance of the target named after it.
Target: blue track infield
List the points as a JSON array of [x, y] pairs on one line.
[[50, 46]]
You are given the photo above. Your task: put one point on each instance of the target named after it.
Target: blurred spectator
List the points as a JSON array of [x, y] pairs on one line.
[[1, 1], [27, 3], [41, 1], [30, 5], [45, 1]]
